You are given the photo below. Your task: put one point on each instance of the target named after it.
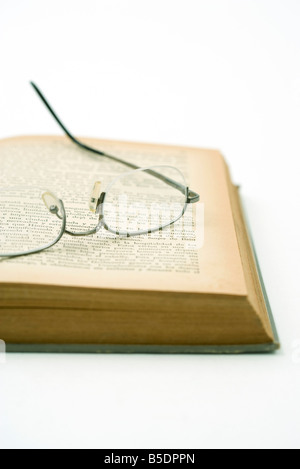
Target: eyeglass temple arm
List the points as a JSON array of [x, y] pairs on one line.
[[193, 197]]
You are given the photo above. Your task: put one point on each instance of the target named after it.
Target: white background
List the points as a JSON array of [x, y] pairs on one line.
[[209, 73]]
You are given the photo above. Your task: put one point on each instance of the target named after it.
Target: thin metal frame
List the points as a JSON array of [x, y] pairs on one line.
[[63, 218], [191, 196], [102, 222]]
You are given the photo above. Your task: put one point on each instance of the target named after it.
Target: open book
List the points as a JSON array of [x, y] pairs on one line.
[[194, 287]]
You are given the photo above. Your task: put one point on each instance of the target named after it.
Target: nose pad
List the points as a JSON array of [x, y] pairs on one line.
[[51, 202], [95, 196]]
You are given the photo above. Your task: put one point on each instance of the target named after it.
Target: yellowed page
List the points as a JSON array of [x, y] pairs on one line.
[[205, 260]]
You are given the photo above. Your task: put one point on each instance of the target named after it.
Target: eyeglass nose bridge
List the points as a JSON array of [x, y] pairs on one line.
[[96, 203], [100, 212], [51, 202], [95, 197]]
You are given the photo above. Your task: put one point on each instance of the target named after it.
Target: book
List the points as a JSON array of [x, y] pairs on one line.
[[165, 292]]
